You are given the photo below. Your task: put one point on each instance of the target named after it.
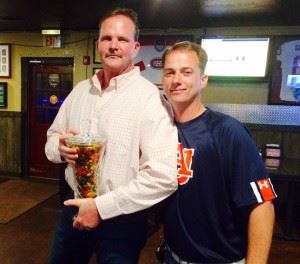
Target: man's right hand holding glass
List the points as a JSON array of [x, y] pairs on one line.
[[68, 154]]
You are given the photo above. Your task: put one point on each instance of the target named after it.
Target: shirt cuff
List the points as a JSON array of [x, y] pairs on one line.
[[51, 151], [106, 206]]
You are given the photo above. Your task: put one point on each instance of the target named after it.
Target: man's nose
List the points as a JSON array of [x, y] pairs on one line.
[[177, 77], [114, 44]]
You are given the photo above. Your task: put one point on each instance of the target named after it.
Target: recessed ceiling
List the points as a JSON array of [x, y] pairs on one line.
[[16, 15], [238, 7]]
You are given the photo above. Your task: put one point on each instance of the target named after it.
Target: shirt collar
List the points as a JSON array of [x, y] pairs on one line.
[[117, 82]]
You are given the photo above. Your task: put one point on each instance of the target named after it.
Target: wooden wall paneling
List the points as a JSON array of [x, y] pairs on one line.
[[10, 142], [263, 137], [291, 145]]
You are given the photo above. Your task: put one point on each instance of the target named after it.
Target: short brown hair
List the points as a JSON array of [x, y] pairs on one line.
[[188, 46], [127, 12]]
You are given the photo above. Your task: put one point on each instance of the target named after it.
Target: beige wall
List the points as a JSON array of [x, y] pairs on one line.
[[30, 44], [236, 93], [216, 92]]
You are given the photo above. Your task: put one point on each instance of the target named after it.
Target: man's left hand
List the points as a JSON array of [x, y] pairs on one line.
[[88, 216]]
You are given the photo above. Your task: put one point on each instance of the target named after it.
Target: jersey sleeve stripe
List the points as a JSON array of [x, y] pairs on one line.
[[273, 190], [256, 192], [266, 189], [263, 190]]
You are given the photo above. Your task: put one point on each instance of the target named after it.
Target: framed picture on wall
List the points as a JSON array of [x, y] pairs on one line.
[[149, 59], [3, 94], [5, 61], [96, 57], [285, 84]]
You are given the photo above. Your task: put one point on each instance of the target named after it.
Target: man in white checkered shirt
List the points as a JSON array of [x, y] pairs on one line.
[[139, 166]]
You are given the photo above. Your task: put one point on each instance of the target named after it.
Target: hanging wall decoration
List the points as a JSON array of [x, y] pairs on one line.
[[285, 85], [3, 94], [5, 61]]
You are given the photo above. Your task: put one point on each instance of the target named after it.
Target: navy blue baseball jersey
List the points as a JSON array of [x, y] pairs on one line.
[[220, 174]]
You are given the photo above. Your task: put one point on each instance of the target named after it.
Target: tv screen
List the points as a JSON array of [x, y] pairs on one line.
[[236, 57]]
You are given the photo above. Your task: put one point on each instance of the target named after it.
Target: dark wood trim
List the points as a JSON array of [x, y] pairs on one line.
[[26, 63]]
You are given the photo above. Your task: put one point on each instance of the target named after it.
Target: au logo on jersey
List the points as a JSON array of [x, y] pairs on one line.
[[184, 162]]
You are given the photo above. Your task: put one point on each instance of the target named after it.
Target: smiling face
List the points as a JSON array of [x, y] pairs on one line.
[[183, 81], [116, 44]]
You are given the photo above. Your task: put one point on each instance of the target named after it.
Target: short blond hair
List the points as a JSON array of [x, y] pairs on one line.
[[188, 46]]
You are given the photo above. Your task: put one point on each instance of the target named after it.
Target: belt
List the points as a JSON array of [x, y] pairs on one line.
[[177, 258], [180, 261]]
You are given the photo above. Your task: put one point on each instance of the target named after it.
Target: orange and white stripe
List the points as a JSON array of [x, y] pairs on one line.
[[263, 190]]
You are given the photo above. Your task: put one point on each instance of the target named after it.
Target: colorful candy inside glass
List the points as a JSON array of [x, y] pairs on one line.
[[86, 166]]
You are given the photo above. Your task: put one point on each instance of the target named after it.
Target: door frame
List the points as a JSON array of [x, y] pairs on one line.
[[26, 63]]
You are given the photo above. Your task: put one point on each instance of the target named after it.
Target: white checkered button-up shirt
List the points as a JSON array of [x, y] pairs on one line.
[[139, 166]]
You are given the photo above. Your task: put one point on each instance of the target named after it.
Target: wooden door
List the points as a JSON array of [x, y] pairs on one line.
[[49, 86]]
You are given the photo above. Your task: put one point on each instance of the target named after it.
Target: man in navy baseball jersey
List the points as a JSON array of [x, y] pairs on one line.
[[222, 211]]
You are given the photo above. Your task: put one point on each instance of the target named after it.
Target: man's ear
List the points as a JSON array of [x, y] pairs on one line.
[[204, 80], [137, 47]]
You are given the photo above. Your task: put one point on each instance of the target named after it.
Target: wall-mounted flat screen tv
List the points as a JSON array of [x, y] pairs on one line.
[[237, 57]]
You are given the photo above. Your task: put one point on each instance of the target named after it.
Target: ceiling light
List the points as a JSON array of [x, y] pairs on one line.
[[50, 31]]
